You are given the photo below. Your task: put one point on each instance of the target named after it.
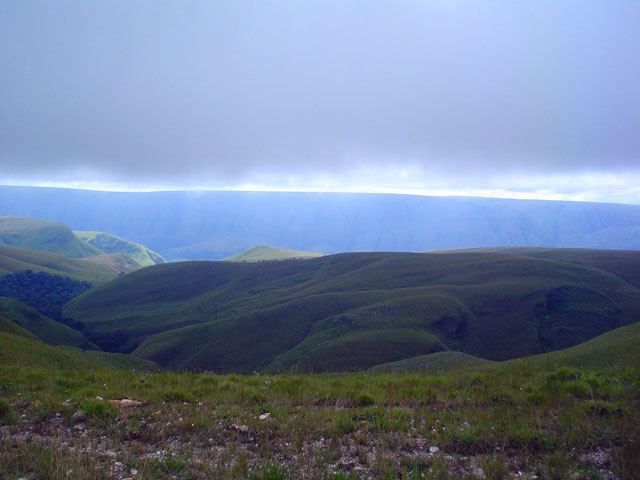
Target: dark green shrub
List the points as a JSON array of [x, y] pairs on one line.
[[99, 409], [5, 409], [177, 395]]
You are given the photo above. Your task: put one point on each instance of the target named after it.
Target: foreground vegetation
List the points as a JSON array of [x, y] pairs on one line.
[[62, 417]]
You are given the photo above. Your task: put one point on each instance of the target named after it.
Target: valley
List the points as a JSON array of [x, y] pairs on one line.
[[488, 362]]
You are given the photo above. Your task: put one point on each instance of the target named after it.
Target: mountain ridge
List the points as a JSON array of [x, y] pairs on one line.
[[216, 224]]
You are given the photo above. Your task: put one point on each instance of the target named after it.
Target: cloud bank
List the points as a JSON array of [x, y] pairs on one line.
[[444, 95]]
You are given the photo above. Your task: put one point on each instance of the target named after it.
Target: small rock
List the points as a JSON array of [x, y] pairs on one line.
[[478, 472], [118, 464], [434, 449], [133, 472], [110, 454], [79, 417], [98, 397], [126, 402], [240, 428], [264, 416]]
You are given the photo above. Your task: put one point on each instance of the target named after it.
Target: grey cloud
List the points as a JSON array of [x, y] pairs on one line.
[[181, 91]]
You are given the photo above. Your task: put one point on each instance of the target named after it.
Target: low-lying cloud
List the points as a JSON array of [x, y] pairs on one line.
[[377, 95]]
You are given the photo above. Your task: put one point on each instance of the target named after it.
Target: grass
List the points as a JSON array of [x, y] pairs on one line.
[[313, 314], [553, 422]]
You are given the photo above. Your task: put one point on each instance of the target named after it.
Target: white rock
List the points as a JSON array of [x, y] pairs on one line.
[[434, 449], [98, 397], [264, 416], [478, 472]]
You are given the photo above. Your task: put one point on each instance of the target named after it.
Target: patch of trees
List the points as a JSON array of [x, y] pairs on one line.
[[46, 293]]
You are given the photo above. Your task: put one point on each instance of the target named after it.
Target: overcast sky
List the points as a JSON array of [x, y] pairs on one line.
[[510, 98]]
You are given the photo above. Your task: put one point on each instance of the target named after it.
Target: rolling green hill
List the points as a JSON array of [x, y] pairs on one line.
[[96, 270], [354, 311], [108, 243], [615, 349], [624, 263], [45, 329], [432, 364], [36, 234], [265, 252]]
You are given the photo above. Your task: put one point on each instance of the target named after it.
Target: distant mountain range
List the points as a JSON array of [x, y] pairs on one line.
[[217, 224]]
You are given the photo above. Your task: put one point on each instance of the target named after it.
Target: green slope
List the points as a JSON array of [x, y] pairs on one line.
[[7, 326], [109, 243], [265, 252], [615, 349], [36, 234], [618, 348], [25, 353], [96, 270], [23, 349], [45, 329], [432, 364], [348, 311], [624, 263]]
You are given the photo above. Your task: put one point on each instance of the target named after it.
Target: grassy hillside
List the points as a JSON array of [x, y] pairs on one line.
[[95, 270], [353, 311], [617, 348], [36, 234], [624, 263], [108, 243], [265, 252], [7, 326], [45, 329], [432, 364], [62, 416]]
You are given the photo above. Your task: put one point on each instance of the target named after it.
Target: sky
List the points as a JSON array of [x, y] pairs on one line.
[[521, 99]]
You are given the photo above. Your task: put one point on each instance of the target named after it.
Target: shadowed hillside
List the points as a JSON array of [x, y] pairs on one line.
[[43, 328], [353, 311]]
